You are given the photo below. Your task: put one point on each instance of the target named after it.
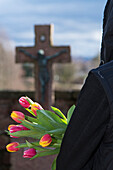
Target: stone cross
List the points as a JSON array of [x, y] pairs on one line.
[[43, 54]]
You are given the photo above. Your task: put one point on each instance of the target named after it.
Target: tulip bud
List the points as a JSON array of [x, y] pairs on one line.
[[29, 153], [14, 129], [23, 127], [15, 115], [11, 147], [10, 126], [45, 140], [24, 103], [36, 106]]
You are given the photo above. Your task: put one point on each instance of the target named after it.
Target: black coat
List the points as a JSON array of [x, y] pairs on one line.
[[88, 141]]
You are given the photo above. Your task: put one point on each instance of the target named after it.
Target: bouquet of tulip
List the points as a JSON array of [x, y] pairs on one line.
[[46, 127]]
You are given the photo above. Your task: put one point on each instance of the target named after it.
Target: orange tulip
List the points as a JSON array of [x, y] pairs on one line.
[[17, 116], [11, 147], [45, 140]]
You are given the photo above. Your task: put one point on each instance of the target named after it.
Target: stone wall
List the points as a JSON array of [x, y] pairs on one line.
[[8, 103], [65, 99]]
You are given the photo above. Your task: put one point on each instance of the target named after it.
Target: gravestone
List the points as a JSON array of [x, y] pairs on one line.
[[43, 54]]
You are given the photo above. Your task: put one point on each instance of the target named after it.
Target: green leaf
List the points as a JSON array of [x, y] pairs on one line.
[[50, 115], [28, 133], [45, 121], [31, 119], [27, 124], [64, 121], [32, 145], [51, 118], [30, 111], [57, 131], [33, 125], [40, 148], [46, 153], [55, 145], [54, 165], [29, 144], [70, 112], [41, 122], [58, 112], [24, 145]]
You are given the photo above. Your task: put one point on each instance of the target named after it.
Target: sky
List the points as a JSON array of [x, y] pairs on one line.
[[77, 23]]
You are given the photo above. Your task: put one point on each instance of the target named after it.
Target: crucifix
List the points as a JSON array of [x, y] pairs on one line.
[[43, 54]]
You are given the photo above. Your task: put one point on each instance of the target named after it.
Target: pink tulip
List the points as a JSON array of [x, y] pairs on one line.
[[15, 115], [45, 140], [24, 103], [29, 153], [14, 129], [11, 147], [10, 126], [23, 127], [36, 106]]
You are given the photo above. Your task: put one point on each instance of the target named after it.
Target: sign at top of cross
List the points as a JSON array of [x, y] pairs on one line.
[[43, 54]]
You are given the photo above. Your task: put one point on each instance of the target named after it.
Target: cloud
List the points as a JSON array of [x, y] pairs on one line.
[[76, 22], [82, 44], [88, 41], [68, 8]]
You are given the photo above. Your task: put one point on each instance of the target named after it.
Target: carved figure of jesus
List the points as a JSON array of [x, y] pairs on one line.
[[43, 70]]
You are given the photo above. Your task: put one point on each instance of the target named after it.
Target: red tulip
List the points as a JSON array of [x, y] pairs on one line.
[[24, 103], [11, 147], [15, 115], [36, 106], [45, 140], [29, 153]]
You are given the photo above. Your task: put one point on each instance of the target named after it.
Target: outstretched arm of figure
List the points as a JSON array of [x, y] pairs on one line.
[[27, 53], [56, 54]]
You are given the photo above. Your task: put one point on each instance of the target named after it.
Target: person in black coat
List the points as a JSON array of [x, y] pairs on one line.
[[88, 141], [107, 38]]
